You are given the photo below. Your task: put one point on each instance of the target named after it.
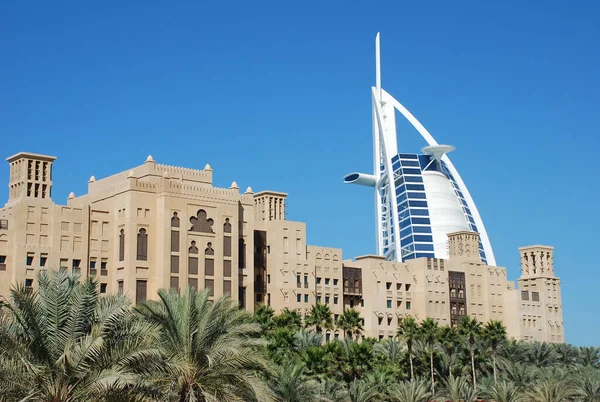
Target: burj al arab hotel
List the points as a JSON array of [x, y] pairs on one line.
[[419, 197]]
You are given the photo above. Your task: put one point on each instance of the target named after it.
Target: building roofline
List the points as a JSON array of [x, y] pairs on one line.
[[270, 192], [369, 256], [536, 246], [31, 155]]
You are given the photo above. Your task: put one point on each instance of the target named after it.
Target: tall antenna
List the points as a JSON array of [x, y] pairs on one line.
[[378, 67]]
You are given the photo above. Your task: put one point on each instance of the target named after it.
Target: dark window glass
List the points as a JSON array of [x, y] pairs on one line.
[[424, 247], [524, 295], [140, 291], [227, 246], [227, 288], [43, 260], [175, 264], [193, 283], [413, 179], [421, 229], [415, 187], [418, 196], [535, 296], [422, 238], [227, 268], [406, 241], [120, 287], [471, 220], [142, 245], [103, 288], [29, 260], [298, 297], [421, 221], [305, 298], [209, 266], [419, 212], [175, 240], [122, 245], [418, 203], [410, 163], [175, 220], [93, 264], [411, 171], [174, 282], [404, 224], [408, 156], [193, 265], [406, 232], [210, 285]]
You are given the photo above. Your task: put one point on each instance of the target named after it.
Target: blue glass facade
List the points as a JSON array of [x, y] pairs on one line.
[[413, 214]]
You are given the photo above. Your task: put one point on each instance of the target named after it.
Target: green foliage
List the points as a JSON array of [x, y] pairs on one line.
[[64, 342]]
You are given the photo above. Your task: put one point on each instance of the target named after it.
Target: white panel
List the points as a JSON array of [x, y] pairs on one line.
[[445, 212]]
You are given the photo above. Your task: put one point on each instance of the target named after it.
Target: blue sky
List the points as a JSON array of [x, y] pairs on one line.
[[276, 95]]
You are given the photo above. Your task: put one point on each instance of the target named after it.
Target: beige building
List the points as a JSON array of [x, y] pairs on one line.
[[157, 226]]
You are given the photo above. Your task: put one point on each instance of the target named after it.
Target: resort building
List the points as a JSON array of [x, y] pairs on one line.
[[157, 226]]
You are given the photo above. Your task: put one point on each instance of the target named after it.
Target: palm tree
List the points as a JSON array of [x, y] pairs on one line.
[[413, 391], [458, 389], [588, 387], [64, 342], [550, 391], [494, 333], [449, 339], [211, 348], [470, 328], [390, 349], [589, 356], [263, 315], [430, 332], [288, 319], [408, 330], [350, 322], [333, 391], [361, 391], [319, 317], [292, 385], [505, 391]]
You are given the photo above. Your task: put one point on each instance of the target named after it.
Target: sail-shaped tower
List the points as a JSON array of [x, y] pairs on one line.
[[419, 197]]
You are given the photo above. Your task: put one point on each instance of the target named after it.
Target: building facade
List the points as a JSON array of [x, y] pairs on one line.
[[157, 226], [419, 198]]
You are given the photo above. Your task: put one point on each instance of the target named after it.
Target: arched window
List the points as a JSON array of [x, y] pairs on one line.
[[209, 262], [227, 226], [142, 245], [175, 220], [122, 245], [193, 260]]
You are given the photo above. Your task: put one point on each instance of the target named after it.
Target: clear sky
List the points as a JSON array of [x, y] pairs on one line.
[[276, 95]]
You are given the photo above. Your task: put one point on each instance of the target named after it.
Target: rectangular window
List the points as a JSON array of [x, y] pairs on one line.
[[335, 282], [326, 299], [535, 296], [298, 281], [193, 265], [415, 187], [210, 285], [335, 300], [175, 264], [413, 179], [2, 263], [209, 267], [362, 302], [120, 287], [524, 295], [175, 240], [389, 304], [305, 298], [141, 288], [298, 297], [306, 280], [29, 260], [259, 297], [417, 196], [422, 229], [43, 259], [411, 163], [174, 282], [227, 246], [318, 281], [28, 283], [388, 285], [408, 305], [193, 283], [227, 288], [93, 263], [227, 268], [421, 221], [103, 288], [326, 281], [411, 171], [268, 278]]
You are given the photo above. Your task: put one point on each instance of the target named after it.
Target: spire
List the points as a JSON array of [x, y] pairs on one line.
[[378, 66]]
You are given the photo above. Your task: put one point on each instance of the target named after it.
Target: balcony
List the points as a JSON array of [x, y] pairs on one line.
[[352, 291]]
